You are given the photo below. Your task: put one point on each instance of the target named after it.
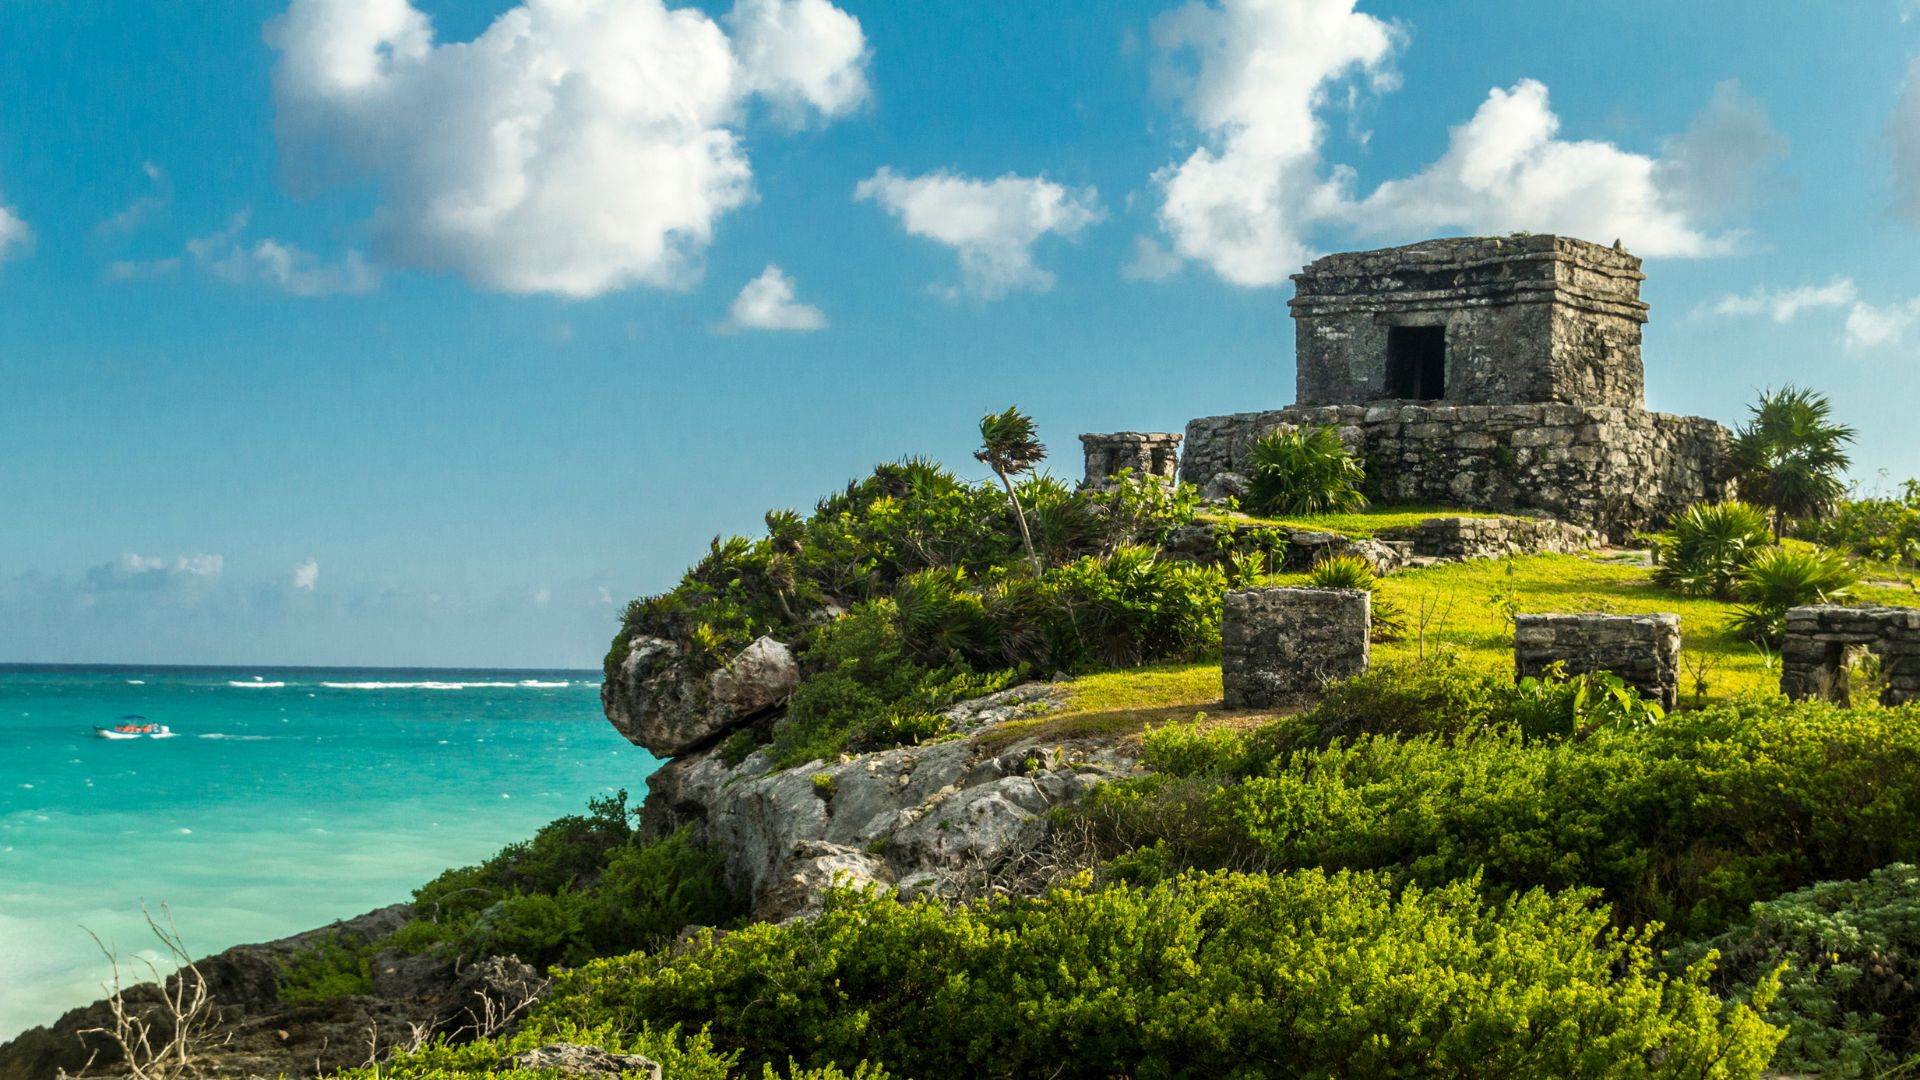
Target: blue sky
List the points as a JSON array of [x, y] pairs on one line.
[[333, 332]]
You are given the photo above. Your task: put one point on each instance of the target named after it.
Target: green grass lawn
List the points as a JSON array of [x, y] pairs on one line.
[[1464, 618], [1359, 523]]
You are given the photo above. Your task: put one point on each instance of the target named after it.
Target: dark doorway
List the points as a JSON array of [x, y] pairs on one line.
[[1417, 362]]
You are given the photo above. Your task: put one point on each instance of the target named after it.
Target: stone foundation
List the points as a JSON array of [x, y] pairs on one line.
[[1457, 539], [1155, 453], [1280, 645], [1613, 469], [1824, 645], [1643, 650]]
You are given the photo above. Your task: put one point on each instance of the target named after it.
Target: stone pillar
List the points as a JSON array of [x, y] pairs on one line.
[[1155, 454], [1280, 645], [1824, 644], [1643, 650]]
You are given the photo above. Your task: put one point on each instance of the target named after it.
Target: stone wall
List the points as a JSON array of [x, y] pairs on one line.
[[1457, 539], [1155, 453], [1643, 650], [1613, 469], [1279, 645], [1824, 644], [1525, 319]]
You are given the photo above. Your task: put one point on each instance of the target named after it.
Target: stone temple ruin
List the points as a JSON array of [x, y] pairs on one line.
[[1490, 373], [1826, 649]]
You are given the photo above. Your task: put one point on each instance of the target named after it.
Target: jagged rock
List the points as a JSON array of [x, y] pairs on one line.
[[659, 701], [573, 1059], [812, 867], [931, 818], [1222, 486], [397, 973]]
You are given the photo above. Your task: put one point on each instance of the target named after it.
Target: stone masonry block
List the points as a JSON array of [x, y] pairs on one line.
[[1281, 645], [1643, 650]]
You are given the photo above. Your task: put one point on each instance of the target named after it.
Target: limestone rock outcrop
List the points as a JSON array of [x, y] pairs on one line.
[[660, 700], [943, 817]]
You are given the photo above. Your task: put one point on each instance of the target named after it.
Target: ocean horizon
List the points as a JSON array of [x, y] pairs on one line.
[[288, 797]]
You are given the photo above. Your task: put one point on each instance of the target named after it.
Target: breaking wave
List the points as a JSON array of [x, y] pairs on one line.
[[256, 684]]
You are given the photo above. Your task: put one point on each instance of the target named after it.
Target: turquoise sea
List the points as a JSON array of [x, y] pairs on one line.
[[290, 797]]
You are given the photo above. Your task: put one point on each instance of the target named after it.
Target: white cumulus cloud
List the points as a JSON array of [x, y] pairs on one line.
[[992, 225], [230, 256], [1257, 78], [1253, 76], [306, 576], [16, 239], [767, 303], [1784, 305], [574, 147], [135, 571], [1871, 326]]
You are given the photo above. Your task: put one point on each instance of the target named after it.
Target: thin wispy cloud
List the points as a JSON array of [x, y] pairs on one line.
[[16, 239], [306, 576], [572, 148], [137, 212], [1783, 305], [992, 225], [768, 303], [229, 255]]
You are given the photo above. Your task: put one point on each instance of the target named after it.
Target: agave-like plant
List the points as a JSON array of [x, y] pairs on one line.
[[1781, 578], [1010, 445], [1355, 572], [1303, 471], [1790, 454], [1707, 547]]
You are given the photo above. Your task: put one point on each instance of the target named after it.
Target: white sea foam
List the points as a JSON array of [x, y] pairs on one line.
[[434, 685], [136, 682], [537, 684], [256, 684], [234, 738]]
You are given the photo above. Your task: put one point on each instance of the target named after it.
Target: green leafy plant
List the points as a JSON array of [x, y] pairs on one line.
[[332, 967], [1303, 471], [1355, 572], [1010, 445], [1780, 578], [1708, 545], [1790, 454]]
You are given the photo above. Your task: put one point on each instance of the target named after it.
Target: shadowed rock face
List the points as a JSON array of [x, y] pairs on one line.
[[659, 699]]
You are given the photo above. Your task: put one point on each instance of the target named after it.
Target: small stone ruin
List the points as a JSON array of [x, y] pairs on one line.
[[1827, 647], [1279, 646], [1643, 650], [1147, 453], [1492, 373]]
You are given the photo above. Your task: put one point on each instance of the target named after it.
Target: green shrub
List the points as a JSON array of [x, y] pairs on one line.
[[332, 967], [1780, 578], [1303, 471], [681, 1057], [1685, 823], [1355, 572], [1205, 976], [1707, 547], [538, 928], [651, 891], [1850, 996], [1879, 528]]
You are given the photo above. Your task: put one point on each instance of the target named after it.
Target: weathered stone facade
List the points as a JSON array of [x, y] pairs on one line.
[[1643, 650], [1612, 469], [1280, 645], [1471, 321], [1153, 453], [1825, 644]]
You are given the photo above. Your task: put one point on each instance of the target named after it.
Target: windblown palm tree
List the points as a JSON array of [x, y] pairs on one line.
[[1789, 456], [1010, 445]]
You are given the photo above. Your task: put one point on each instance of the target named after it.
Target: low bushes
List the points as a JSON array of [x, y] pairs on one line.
[[1212, 975], [1685, 823], [1850, 993], [582, 887], [1778, 579], [1707, 547]]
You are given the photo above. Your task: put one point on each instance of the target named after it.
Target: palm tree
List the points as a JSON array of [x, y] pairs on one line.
[[1790, 454], [1009, 445]]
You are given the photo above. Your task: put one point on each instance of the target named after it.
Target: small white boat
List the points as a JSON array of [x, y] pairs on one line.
[[134, 727]]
